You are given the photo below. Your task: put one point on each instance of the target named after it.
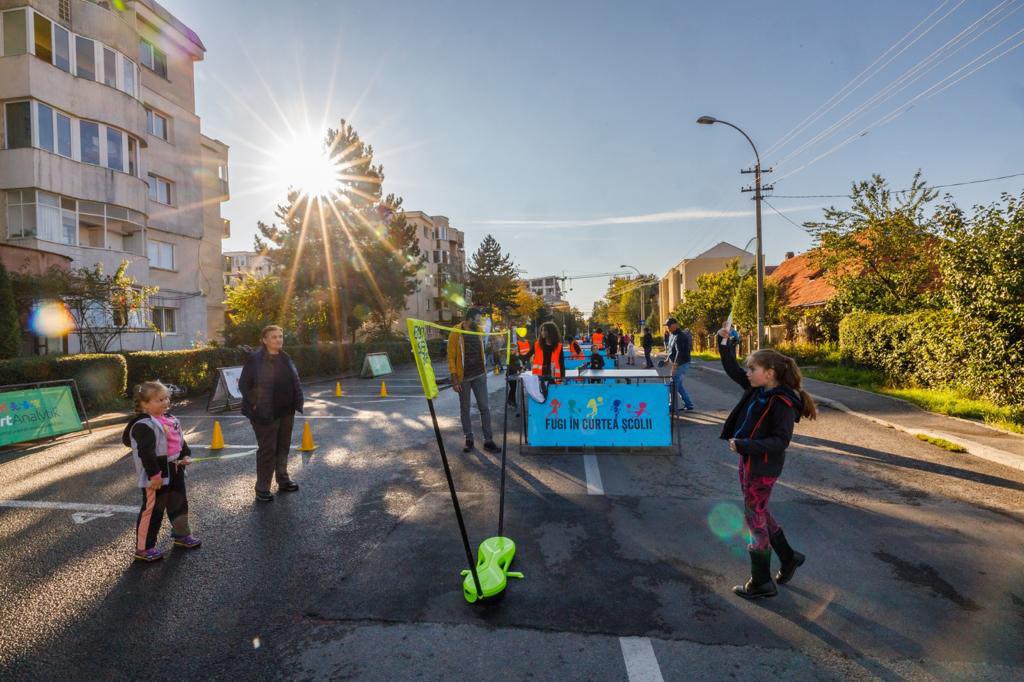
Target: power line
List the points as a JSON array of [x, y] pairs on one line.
[[783, 215], [900, 191]]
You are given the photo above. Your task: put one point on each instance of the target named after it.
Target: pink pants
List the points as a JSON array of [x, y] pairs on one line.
[[756, 491]]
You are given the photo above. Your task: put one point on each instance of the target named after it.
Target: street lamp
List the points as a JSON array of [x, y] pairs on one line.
[[708, 120], [639, 276]]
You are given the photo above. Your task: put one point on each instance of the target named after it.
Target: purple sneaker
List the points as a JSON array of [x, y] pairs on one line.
[[147, 555], [188, 542]]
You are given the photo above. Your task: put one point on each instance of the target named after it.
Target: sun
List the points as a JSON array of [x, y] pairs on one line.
[[304, 165]]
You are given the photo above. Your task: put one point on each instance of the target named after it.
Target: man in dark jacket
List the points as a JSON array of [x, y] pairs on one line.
[[679, 347], [648, 344]]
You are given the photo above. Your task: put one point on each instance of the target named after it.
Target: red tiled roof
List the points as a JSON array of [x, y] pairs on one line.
[[803, 281]]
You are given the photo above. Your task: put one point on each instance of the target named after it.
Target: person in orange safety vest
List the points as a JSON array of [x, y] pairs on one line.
[[547, 353], [597, 340]]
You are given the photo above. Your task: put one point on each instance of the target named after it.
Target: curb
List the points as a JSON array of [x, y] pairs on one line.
[[995, 455]]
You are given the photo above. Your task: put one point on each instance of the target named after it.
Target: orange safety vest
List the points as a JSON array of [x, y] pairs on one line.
[[597, 340], [556, 361], [524, 346], [575, 350]]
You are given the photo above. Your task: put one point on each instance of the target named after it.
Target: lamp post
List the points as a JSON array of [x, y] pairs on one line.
[[708, 120], [639, 276]]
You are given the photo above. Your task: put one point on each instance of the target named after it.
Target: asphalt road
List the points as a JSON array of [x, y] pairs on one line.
[[914, 567]]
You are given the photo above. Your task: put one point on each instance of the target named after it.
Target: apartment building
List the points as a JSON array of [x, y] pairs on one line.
[[442, 280], [682, 276], [241, 264], [548, 288], [102, 159]]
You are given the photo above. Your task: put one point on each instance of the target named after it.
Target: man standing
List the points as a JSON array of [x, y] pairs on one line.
[[611, 342], [469, 375], [679, 347], [648, 344]]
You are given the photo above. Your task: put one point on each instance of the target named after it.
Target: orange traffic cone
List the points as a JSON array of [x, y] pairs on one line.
[[217, 443], [337, 390], [307, 439], [383, 390]]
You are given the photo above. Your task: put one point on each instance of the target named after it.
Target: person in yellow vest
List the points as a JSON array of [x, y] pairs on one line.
[[547, 353]]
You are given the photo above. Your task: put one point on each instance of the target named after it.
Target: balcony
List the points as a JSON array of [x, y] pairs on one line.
[[226, 228], [86, 256], [224, 189]]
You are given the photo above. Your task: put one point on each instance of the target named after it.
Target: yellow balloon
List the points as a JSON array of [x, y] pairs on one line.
[[522, 332]]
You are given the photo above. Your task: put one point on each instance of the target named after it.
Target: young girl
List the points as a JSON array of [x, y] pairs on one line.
[[160, 454], [630, 350], [759, 429]]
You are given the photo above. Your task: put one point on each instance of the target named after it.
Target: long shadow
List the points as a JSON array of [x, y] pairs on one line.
[[911, 463]]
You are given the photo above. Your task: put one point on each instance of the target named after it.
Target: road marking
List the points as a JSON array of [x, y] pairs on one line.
[[104, 509], [593, 473], [641, 664], [86, 517]]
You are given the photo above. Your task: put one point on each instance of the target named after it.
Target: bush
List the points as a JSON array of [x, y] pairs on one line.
[[194, 370], [101, 377], [934, 349]]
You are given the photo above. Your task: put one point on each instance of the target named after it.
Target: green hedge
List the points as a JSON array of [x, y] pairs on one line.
[[195, 370], [101, 377], [933, 349]]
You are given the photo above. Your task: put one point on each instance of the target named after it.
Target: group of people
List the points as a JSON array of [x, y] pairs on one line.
[[758, 428], [617, 342]]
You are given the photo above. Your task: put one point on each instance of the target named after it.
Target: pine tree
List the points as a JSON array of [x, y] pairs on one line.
[[493, 276], [10, 329]]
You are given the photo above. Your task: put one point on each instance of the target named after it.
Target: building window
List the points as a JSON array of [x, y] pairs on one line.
[[89, 133], [163, 319], [15, 38], [44, 37], [159, 189], [63, 135], [64, 10], [21, 213], [161, 254], [133, 152], [61, 49], [69, 221], [156, 124], [19, 125], [150, 56], [109, 67], [128, 82], [115, 149], [48, 220], [85, 58], [44, 118]]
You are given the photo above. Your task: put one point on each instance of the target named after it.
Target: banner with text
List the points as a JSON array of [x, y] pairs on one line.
[[34, 413], [629, 415]]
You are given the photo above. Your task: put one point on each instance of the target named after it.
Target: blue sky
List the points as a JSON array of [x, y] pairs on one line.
[[539, 121]]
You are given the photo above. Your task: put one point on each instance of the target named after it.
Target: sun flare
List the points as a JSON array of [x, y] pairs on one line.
[[305, 166]]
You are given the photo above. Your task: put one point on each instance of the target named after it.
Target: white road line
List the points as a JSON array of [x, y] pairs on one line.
[[69, 506], [641, 664], [594, 485]]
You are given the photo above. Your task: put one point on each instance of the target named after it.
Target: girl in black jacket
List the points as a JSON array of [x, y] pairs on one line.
[[759, 428]]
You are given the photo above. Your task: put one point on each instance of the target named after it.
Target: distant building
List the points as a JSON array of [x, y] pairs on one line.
[[804, 286], [682, 276], [441, 283], [241, 264], [549, 288]]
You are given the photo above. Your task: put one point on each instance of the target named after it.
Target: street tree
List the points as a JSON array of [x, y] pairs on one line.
[[252, 304], [707, 307], [526, 304], [493, 276], [104, 307], [351, 252], [881, 254]]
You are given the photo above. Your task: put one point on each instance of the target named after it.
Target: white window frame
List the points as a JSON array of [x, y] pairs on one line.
[[29, 33], [164, 310], [151, 116], [151, 53], [158, 262], [170, 189]]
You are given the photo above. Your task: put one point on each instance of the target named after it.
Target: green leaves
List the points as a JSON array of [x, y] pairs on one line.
[[493, 276]]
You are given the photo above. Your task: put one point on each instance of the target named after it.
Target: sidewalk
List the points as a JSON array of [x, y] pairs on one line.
[[985, 442]]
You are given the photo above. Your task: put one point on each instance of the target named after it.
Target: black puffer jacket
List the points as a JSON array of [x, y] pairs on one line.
[[287, 396], [764, 450]]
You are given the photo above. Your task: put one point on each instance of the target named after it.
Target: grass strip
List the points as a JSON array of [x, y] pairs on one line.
[[940, 442]]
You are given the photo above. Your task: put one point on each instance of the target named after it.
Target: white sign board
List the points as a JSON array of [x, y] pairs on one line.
[[226, 393], [376, 364]]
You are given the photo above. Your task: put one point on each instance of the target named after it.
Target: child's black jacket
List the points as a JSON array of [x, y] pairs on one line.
[[764, 451]]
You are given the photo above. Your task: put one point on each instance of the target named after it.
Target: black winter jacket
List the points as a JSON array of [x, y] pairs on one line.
[[285, 402], [764, 451]]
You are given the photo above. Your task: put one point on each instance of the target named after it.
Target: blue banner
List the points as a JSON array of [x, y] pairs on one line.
[[569, 363], [617, 415]]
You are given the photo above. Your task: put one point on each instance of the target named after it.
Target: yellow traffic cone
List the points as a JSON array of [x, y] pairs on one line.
[[307, 439], [337, 390], [217, 443], [383, 390]]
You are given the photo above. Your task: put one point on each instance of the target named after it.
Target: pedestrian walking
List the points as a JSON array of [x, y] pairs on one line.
[[623, 342], [630, 350], [759, 429], [160, 455], [648, 343], [271, 395], [469, 377], [679, 347], [498, 352], [611, 341]]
